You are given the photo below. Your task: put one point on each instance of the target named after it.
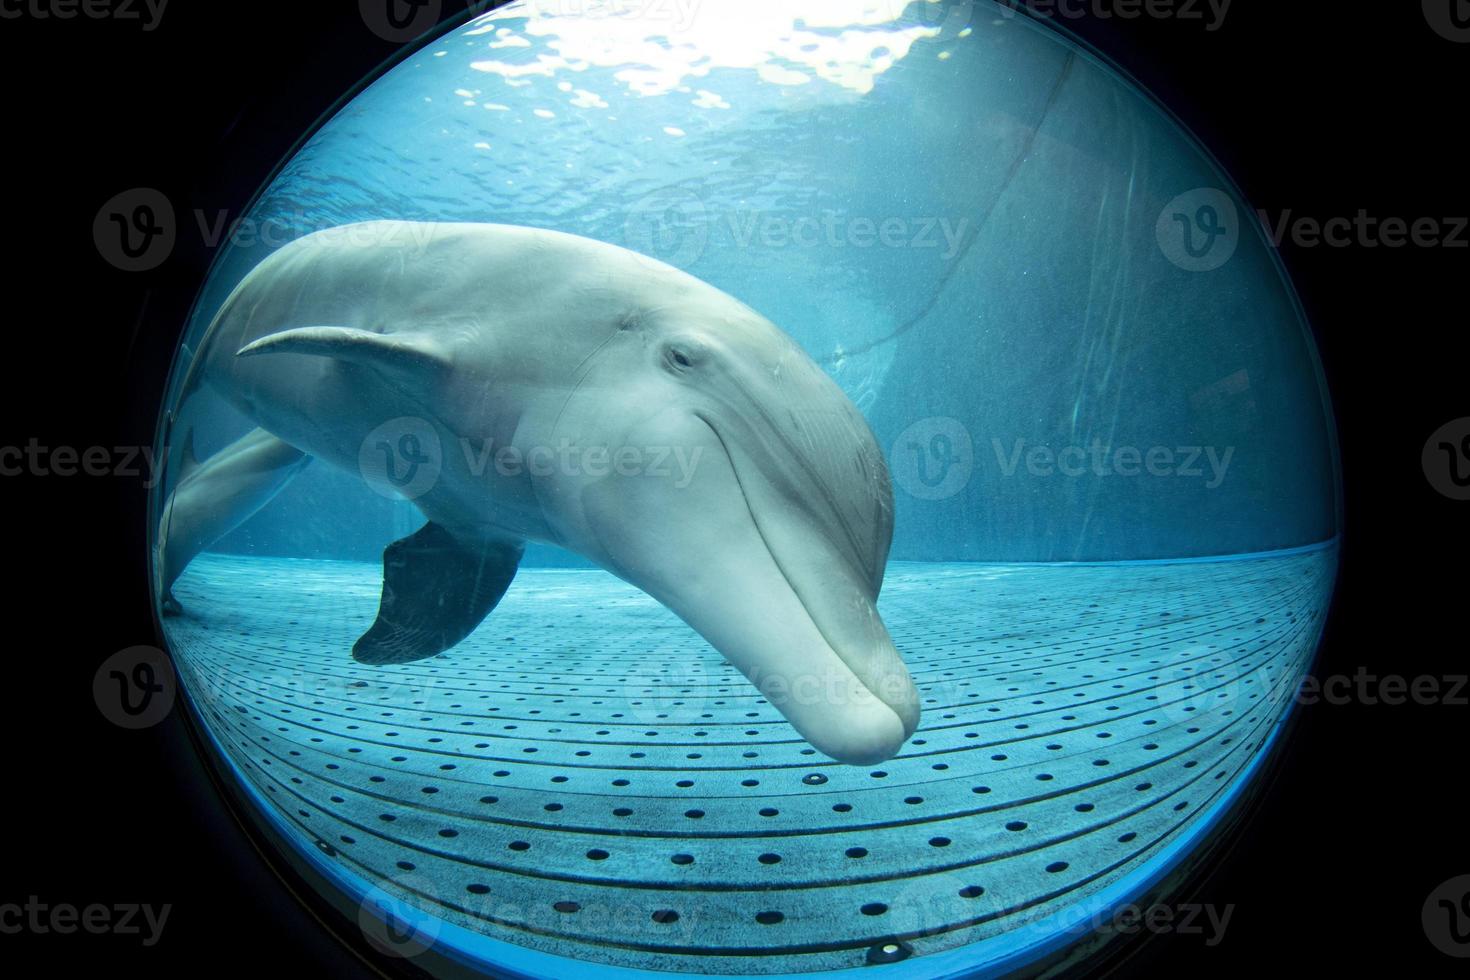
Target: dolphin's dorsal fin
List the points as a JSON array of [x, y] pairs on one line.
[[394, 354], [436, 590]]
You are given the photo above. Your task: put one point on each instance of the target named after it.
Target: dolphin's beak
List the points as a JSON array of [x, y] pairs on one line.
[[780, 586]]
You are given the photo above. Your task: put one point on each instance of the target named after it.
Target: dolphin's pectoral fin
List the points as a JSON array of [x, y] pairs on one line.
[[404, 354], [436, 590]]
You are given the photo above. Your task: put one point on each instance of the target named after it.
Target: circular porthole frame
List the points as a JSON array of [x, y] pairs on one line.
[[337, 898]]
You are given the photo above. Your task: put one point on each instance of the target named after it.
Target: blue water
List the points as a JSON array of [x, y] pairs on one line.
[[1069, 337], [1021, 290]]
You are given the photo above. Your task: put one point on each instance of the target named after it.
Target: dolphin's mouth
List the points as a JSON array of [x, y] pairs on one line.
[[760, 529], [748, 549], [862, 645]]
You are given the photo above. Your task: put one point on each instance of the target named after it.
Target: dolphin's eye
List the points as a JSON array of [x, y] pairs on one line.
[[679, 358]]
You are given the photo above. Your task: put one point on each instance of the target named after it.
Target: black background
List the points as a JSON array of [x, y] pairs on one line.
[[1323, 109]]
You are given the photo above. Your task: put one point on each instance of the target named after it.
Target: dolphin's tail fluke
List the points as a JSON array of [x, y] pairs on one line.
[[215, 497]]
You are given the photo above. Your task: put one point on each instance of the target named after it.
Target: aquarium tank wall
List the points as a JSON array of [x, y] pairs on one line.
[[1093, 406]]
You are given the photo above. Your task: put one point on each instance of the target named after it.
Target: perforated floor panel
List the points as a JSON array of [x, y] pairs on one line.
[[585, 776]]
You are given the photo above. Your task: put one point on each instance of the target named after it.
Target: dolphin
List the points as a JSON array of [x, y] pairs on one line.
[[214, 498], [552, 373]]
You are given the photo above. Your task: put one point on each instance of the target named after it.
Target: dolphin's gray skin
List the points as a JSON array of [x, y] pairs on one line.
[[772, 545], [213, 499]]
